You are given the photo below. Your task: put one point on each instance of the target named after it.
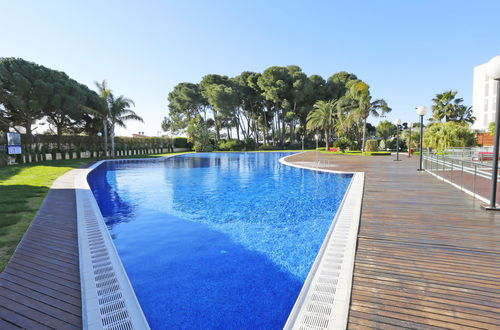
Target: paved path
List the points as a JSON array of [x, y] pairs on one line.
[[427, 256], [40, 287]]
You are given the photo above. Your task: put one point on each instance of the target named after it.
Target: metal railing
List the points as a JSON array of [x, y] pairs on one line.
[[463, 170], [479, 154]]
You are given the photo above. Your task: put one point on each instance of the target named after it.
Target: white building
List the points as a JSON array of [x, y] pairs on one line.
[[483, 98]]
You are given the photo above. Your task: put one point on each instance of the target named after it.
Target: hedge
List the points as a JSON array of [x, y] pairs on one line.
[[371, 145]]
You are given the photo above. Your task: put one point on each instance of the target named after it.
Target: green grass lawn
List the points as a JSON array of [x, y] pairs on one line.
[[22, 191]]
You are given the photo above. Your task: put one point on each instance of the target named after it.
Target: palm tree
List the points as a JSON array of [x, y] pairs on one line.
[[361, 93], [114, 111], [450, 108], [119, 112], [322, 117], [104, 93]]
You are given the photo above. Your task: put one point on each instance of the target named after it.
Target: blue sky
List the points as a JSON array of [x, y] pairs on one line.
[[406, 50]]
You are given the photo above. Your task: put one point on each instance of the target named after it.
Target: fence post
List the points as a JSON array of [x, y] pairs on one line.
[[462, 177], [474, 181], [451, 173]]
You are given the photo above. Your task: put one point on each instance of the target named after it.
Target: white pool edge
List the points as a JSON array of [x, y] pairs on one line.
[[323, 302], [108, 299]]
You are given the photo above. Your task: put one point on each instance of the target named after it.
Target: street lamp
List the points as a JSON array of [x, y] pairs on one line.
[[493, 71], [410, 126], [421, 111], [397, 122], [99, 134]]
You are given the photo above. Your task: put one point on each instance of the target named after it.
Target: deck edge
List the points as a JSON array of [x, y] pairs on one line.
[[323, 302], [108, 299]]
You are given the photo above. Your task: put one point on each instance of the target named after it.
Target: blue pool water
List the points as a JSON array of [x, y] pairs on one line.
[[216, 241]]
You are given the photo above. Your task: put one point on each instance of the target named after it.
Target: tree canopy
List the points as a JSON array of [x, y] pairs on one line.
[[273, 107], [30, 92], [449, 107]]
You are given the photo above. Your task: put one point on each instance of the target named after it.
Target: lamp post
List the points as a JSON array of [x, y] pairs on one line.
[[421, 111], [99, 134], [493, 71], [410, 126], [397, 122]]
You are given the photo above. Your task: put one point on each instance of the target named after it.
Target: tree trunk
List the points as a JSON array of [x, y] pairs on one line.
[[273, 131], [265, 128], [364, 136], [283, 130], [59, 129], [113, 141], [29, 136], [105, 127], [217, 129], [327, 138]]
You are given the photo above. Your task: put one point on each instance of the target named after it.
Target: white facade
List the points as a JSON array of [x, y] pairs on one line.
[[483, 98]]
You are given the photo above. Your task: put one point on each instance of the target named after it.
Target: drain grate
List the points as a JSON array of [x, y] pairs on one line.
[[108, 299], [323, 302]]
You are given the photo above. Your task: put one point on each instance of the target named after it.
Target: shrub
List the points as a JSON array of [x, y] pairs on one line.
[[341, 143], [198, 147], [181, 142], [232, 145], [267, 147], [371, 145], [250, 144]]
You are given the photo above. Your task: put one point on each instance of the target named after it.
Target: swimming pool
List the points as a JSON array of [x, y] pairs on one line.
[[216, 240]]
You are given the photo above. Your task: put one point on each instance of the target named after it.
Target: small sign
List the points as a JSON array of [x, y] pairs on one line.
[[14, 150], [14, 143], [13, 139]]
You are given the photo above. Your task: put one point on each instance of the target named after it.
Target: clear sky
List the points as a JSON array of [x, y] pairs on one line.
[[407, 51]]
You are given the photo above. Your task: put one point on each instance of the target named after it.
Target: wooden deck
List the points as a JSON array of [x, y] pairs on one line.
[[427, 256], [40, 287]]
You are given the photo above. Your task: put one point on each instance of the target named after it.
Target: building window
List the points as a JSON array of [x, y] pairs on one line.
[[485, 119], [486, 89], [485, 105]]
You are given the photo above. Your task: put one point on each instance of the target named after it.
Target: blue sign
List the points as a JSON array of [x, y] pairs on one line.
[[14, 143], [14, 150]]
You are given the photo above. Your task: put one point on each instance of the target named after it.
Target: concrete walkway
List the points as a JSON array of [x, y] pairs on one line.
[[40, 287]]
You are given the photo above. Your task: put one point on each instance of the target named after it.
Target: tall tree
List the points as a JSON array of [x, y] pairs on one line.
[[24, 92], [206, 91], [102, 109], [386, 129], [449, 107], [360, 92], [322, 118], [114, 111], [250, 101], [65, 107], [185, 102], [119, 113], [338, 84]]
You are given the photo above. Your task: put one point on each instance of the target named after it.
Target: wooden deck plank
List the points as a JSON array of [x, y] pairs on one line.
[[427, 255], [40, 287]]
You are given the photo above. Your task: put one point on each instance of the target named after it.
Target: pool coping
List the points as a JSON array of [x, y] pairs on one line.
[[323, 302], [108, 299]]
